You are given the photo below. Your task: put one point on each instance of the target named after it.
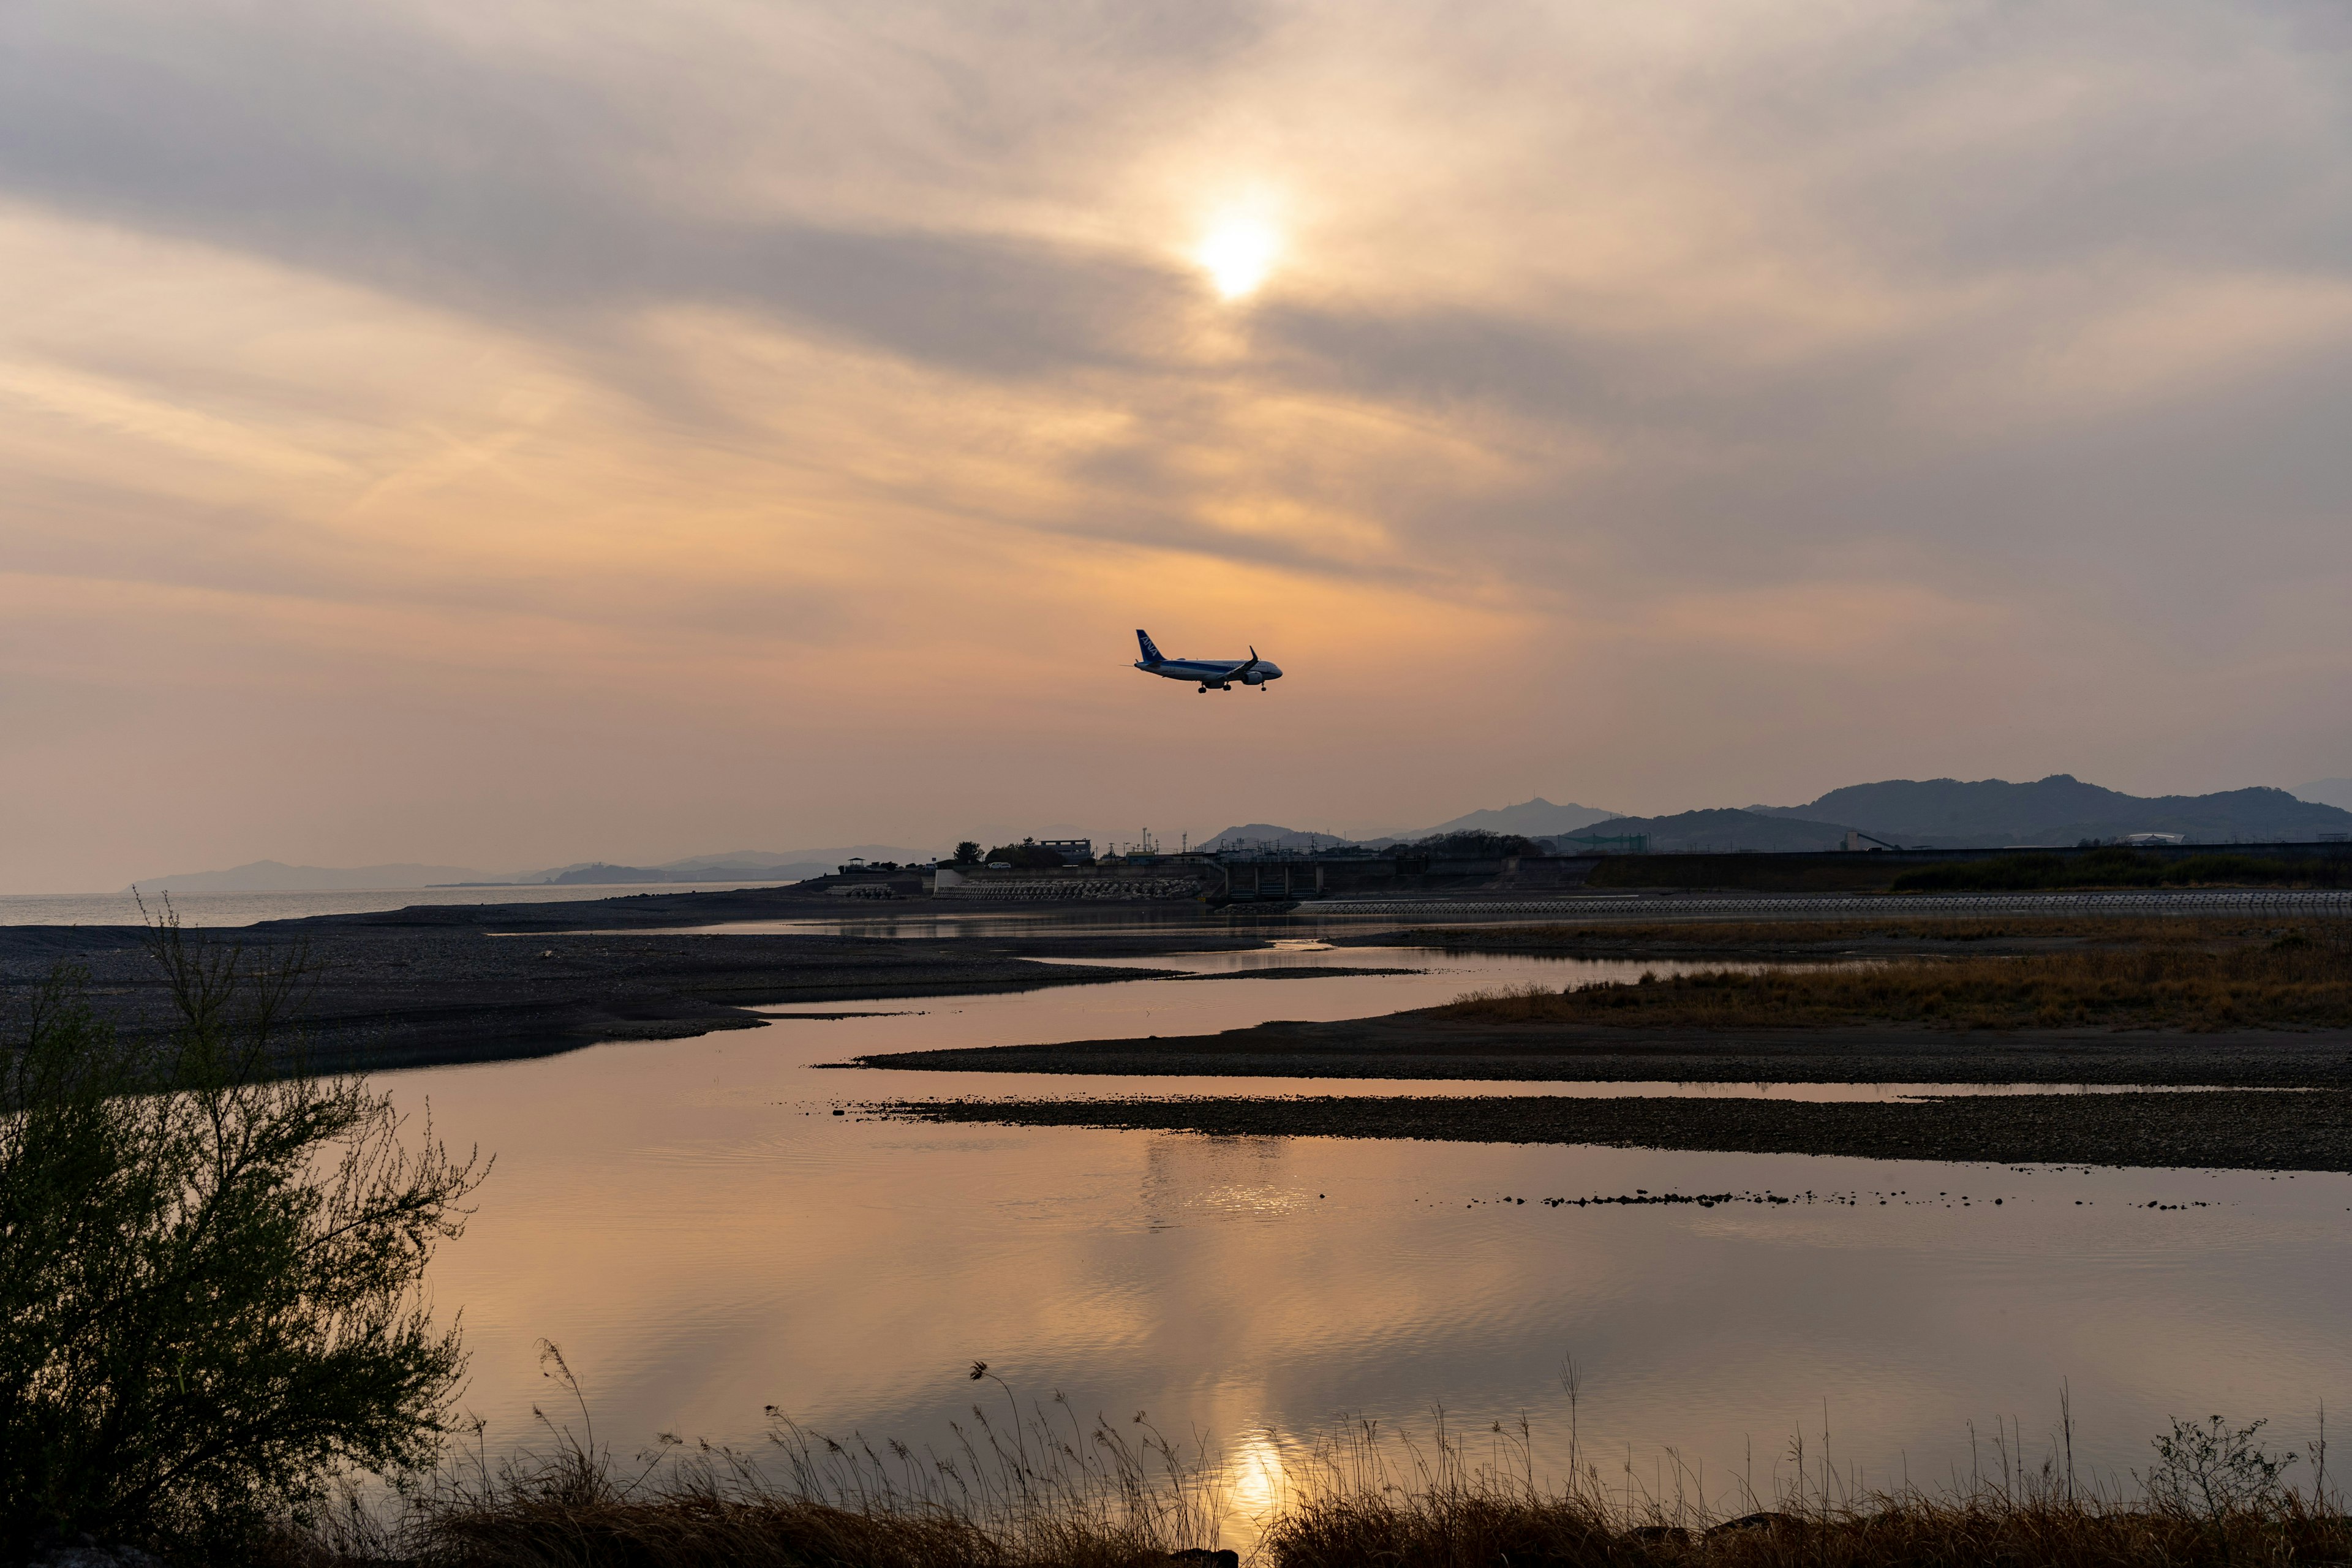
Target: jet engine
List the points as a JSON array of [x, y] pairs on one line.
[[1254, 678]]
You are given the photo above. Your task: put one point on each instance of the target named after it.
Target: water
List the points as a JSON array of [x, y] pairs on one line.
[[703, 1238], [247, 909], [1132, 1008]]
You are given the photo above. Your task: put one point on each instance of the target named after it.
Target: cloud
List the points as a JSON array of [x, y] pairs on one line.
[[750, 374]]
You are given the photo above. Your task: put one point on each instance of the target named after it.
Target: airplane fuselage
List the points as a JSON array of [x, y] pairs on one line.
[[1215, 673], [1210, 674]]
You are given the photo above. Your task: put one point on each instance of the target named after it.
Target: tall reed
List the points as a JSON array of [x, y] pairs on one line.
[[1034, 1485], [1041, 1487]]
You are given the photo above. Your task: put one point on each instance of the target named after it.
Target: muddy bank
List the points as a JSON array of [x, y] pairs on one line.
[[2235, 1131], [1419, 1046], [391, 995]]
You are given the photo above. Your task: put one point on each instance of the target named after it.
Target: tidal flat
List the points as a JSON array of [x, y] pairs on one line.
[[2252, 1015], [691, 1222]]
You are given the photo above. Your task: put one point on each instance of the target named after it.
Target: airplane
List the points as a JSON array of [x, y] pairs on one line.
[[1213, 674]]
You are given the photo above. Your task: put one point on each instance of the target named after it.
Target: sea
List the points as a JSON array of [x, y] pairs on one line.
[[248, 909]]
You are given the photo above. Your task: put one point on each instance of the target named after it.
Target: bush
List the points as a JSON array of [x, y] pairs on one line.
[[209, 1271], [1476, 843], [2214, 1470]]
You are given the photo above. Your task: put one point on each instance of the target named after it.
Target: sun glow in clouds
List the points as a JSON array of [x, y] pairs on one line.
[[1238, 253]]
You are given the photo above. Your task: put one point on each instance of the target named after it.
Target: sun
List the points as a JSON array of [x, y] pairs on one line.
[[1238, 254]]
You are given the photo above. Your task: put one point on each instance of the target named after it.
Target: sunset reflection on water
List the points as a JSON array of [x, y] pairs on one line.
[[703, 1238]]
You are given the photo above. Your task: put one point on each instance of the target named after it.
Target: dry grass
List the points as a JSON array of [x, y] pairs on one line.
[[2173, 979], [1491, 1530], [1039, 1486], [1365, 1497], [1050, 1492]]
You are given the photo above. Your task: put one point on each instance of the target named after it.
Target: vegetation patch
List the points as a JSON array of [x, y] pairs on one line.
[[212, 1298], [2298, 979]]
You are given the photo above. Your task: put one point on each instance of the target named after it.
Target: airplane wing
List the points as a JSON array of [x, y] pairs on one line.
[[1242, 668]]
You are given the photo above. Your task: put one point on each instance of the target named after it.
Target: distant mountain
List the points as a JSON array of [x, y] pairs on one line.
[[2328, 792], [1726, 830], [736, 866], [276, 877], [597, 874], [1266, 836], [1534, 818], [2060, 809], [756, 864]]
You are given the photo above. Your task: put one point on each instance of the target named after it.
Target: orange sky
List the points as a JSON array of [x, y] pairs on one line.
[[517, 434]]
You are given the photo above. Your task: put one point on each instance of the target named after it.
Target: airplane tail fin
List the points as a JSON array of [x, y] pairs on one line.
[[1150, 649]]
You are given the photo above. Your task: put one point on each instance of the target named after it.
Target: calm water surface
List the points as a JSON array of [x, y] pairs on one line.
[[703, 1236]]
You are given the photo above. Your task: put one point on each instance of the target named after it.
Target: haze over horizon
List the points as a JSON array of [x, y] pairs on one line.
[[526, 435]]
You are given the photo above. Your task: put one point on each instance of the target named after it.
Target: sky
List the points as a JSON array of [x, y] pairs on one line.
[[516, 434]]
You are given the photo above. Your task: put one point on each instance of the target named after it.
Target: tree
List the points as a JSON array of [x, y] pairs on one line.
[[1026, 856], [967, 853], [209, 1265], [1478, 844]]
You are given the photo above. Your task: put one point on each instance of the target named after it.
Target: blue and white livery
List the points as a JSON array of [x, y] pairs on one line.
[[1213, 674]]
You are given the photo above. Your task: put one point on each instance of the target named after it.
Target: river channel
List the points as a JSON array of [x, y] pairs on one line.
[[705, 1236]]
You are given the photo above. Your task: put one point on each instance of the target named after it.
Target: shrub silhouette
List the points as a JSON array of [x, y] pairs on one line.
[[209, 1267]]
